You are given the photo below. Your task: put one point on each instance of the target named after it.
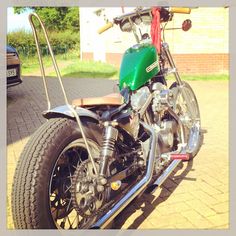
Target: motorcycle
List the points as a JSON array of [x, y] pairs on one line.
[[93, 157]]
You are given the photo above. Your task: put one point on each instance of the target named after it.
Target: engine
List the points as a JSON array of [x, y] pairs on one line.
[[163, 122], [165, 125], [139, 98]]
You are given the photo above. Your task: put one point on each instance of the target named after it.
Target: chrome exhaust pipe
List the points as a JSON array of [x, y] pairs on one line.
[[166, 173], [137, 189], [161, 179]]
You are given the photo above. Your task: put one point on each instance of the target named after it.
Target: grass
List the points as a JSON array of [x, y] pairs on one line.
[[31, 64], [220, 77], [69, 66], [206, 77], [88, 69]]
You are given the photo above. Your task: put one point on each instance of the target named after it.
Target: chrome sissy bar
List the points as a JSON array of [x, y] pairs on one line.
[[71, 108]]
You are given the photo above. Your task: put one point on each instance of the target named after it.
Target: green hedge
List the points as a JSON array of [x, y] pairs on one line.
[[61, 42]]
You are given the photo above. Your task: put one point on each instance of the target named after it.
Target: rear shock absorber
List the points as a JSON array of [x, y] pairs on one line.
[[110, 136]]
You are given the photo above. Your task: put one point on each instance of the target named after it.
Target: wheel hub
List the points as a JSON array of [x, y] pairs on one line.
[[87, 200]]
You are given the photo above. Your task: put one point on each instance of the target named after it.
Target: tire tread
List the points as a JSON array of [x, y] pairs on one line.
[[24, 205]]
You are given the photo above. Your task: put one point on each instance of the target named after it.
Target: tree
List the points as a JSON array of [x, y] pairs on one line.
[[56, 18]]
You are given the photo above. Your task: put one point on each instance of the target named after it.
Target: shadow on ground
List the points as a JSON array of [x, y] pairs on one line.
[[150, 201]]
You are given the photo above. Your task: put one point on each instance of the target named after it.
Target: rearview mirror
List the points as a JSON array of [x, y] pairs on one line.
[[186, 25]]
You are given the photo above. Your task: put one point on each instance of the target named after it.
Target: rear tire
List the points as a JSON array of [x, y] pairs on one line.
[[31, 201]]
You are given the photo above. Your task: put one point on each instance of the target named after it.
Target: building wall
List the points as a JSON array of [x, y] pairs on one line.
[[203, 49]]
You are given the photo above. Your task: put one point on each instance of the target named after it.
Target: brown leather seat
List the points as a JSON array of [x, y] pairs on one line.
[[114, 99]]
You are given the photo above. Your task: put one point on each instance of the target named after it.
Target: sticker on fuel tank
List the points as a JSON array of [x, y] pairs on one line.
[[152, 66]]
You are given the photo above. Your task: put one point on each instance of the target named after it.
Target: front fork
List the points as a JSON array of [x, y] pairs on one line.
[[173, 69], [166, 50]]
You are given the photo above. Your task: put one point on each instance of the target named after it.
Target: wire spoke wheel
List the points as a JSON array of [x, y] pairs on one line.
[[42, 195], [186, 107], [60, 195]]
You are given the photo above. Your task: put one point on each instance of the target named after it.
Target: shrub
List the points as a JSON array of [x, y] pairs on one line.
[[60, 41]]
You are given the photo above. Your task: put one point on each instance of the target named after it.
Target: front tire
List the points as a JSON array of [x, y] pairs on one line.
[[40, 196], [187, 108]]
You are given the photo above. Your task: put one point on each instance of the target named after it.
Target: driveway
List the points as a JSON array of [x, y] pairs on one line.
[[194, 197]]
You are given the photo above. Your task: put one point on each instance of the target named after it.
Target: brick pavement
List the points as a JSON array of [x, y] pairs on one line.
[[194, 197]]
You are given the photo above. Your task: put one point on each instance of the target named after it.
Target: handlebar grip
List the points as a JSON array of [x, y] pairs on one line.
[[183, 10], [105, 27]]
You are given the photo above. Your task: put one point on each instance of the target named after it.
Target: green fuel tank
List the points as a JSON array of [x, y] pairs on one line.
[[139, 64]]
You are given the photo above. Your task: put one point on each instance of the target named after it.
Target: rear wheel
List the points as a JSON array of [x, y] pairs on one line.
[[186, 106], [42, 195]]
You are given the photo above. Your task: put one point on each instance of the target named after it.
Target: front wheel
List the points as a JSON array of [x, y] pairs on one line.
[[186, 107], [42, 195]]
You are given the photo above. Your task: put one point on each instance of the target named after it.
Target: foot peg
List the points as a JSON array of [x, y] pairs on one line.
[[183, 157]]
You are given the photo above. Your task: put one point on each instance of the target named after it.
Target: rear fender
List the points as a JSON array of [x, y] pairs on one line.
[[90, 125], [64, 111]]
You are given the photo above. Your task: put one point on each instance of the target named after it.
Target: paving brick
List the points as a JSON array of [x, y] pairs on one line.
[[223, 197], [169, 183], [221, 207], [201, 207], [225, 226], [136, 221], [146, 225], [149, 209], [208, 189], [197, 219], [204, 197], [168, 209], [161, 222], [126, 224], [161, 193], [188, 186], [212, 181], [219, 219], [185, 225], [179, 190], [180, 197], [224, 188]]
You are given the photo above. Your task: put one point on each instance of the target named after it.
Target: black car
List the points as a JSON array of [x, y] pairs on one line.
[[13, 67]]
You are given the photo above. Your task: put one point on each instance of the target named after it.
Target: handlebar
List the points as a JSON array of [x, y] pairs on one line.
[[183, 10], [105, 27], [119, 19]]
